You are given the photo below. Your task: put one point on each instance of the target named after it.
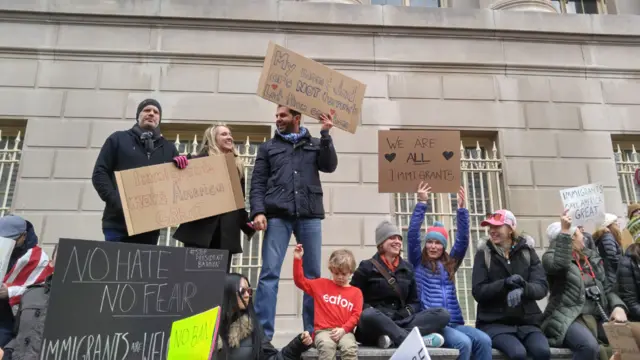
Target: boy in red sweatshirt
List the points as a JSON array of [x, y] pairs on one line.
[[337, 305]]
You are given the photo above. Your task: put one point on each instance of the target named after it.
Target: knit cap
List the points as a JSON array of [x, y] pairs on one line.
[[634, 228], [609, 219], [146, 102], [554, 229], [385, 230], [631, 209], [437, 232]]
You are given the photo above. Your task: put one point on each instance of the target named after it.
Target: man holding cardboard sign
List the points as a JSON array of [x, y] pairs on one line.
[[286, 198], [142, 145]]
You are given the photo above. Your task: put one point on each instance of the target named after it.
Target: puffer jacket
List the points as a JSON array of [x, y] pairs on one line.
[[629, 282], [241, 344], [436, 289], [567, 296], [610, 252], [490, 291]]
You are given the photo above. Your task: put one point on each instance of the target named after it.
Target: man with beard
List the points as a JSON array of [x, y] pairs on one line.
[[142, 145], [286, 198]]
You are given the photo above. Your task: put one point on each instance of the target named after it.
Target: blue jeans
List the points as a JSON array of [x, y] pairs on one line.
[[116, 235], [308, 232], [469, 341]]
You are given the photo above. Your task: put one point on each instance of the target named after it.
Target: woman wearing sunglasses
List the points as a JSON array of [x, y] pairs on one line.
[[507, 280], [435, 275], [240, 335]]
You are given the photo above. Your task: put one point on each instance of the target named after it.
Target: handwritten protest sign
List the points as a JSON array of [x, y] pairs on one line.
[[113, 300], [407, 157], [624, 338], [412, 348], [310, 87], [159, 196], [585, 203], [195, 337]]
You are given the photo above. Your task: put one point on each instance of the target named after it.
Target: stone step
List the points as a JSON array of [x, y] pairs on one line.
[[370, 353]]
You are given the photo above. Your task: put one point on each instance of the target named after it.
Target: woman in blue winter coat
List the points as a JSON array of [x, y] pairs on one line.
[[435, 275]]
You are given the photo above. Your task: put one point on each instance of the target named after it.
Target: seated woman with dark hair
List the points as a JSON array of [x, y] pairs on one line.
[[240, 335]]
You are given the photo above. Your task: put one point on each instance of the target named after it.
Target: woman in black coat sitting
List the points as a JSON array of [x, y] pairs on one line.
[[219, 231]]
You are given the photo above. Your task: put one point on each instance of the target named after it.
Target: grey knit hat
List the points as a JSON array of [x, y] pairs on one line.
[[385, 230]]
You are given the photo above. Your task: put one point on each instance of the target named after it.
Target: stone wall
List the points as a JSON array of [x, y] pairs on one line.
[[551, 89]]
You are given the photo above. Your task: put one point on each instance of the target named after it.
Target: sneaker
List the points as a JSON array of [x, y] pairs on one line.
[[434, 340], [384, 342]]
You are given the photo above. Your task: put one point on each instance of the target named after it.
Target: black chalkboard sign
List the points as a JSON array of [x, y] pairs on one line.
[[116, 301]]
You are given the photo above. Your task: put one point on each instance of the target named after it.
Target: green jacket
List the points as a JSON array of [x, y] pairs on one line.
[[567, 295]]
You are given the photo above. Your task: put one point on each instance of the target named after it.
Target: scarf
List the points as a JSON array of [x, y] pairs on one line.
[[148, 137], [294, 138]]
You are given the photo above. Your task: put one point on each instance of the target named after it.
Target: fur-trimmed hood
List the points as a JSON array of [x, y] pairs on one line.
[[528, 239], [238, 331]]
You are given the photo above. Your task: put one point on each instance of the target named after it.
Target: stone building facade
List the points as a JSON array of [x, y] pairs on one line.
[[546, 97]]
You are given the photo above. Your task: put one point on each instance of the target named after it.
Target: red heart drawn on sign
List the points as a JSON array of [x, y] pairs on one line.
[[333, 112], [274, 86]]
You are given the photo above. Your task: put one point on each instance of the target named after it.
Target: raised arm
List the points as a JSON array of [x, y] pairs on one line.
[[461, 245], [413, 234], [299, 279], [327, 157], [259, 178]]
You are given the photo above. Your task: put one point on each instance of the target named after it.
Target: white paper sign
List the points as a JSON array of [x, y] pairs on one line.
[[412, 348], [6, 248], [585, 204]]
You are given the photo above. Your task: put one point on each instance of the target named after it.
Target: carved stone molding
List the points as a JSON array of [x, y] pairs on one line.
[[524, 5], [356, 2]]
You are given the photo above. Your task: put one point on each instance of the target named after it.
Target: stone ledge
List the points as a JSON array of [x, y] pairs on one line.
[[371, 353], [289, 13]]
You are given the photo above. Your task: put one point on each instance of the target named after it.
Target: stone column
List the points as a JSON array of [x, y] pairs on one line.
[[523, 5]]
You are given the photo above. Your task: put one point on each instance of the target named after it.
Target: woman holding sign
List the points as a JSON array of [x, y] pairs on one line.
[[219, 231], [435, 275], [241, 337], [580, 294], [507, 280]]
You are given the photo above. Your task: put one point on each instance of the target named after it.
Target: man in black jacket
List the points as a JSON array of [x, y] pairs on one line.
[[142, 145], [286, 198]]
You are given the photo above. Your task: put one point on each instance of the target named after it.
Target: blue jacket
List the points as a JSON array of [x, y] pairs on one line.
[[286, 180], [435, 289]]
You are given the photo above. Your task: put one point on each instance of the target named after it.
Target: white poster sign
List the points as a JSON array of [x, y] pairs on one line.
[[585, 204], [6, 248], [412, 348]]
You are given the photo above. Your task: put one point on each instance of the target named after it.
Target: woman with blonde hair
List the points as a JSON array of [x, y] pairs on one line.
[[608, 239], [218, 231]]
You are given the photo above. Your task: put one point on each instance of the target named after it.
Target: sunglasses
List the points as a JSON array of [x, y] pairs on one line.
[[495, 216], [242, 291]]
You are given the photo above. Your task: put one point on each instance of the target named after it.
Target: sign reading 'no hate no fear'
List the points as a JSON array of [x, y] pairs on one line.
[[407, 157], [311, 88]]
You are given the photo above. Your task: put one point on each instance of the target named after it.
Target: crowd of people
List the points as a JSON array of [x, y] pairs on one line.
[[589, 280]]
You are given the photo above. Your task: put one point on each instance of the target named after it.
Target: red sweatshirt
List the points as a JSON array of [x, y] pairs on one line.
[[334, 306]]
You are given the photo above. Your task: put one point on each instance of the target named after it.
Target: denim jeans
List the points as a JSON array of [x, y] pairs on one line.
[[115, 235], [534, 344], [581, 342], [308, 232], [469, 341]]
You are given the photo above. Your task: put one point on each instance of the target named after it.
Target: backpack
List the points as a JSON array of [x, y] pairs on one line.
[[487, 257]]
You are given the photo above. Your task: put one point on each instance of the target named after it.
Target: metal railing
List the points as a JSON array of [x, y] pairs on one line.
[[10, 155], [482, 182], [626, 165]]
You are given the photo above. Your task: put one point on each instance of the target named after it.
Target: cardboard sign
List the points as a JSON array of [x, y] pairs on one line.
[[585, 204], [159, 196], [297, 82], [6, 248], [407, 157], [412, 348], [119, 301], [195, 337], [624, 338]]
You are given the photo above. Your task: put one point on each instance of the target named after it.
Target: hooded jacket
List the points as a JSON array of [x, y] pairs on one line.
[[490, 291], [610, 252], [435, 289]]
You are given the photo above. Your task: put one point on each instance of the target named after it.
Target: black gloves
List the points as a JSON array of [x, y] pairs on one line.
[[514, 282]]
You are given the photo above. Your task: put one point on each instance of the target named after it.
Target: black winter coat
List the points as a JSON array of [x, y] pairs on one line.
[[610, 252], [123, 150], [286, 179], [216, 232], [490, 291], [628, 277], [377, 293]]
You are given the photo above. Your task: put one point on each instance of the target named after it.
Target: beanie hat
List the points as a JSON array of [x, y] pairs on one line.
[[609, 219], [555, 228], [634, 228], [146, 102], [437, 232], [631, 209], [385, 230]]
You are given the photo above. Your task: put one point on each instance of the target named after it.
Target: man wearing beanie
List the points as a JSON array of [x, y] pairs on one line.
[[142, 145]]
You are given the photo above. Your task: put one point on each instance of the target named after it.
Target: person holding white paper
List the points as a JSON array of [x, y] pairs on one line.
[[28, 265]]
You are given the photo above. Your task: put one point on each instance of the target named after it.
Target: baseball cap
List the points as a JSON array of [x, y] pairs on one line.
[[499, 218], [12, 226]]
